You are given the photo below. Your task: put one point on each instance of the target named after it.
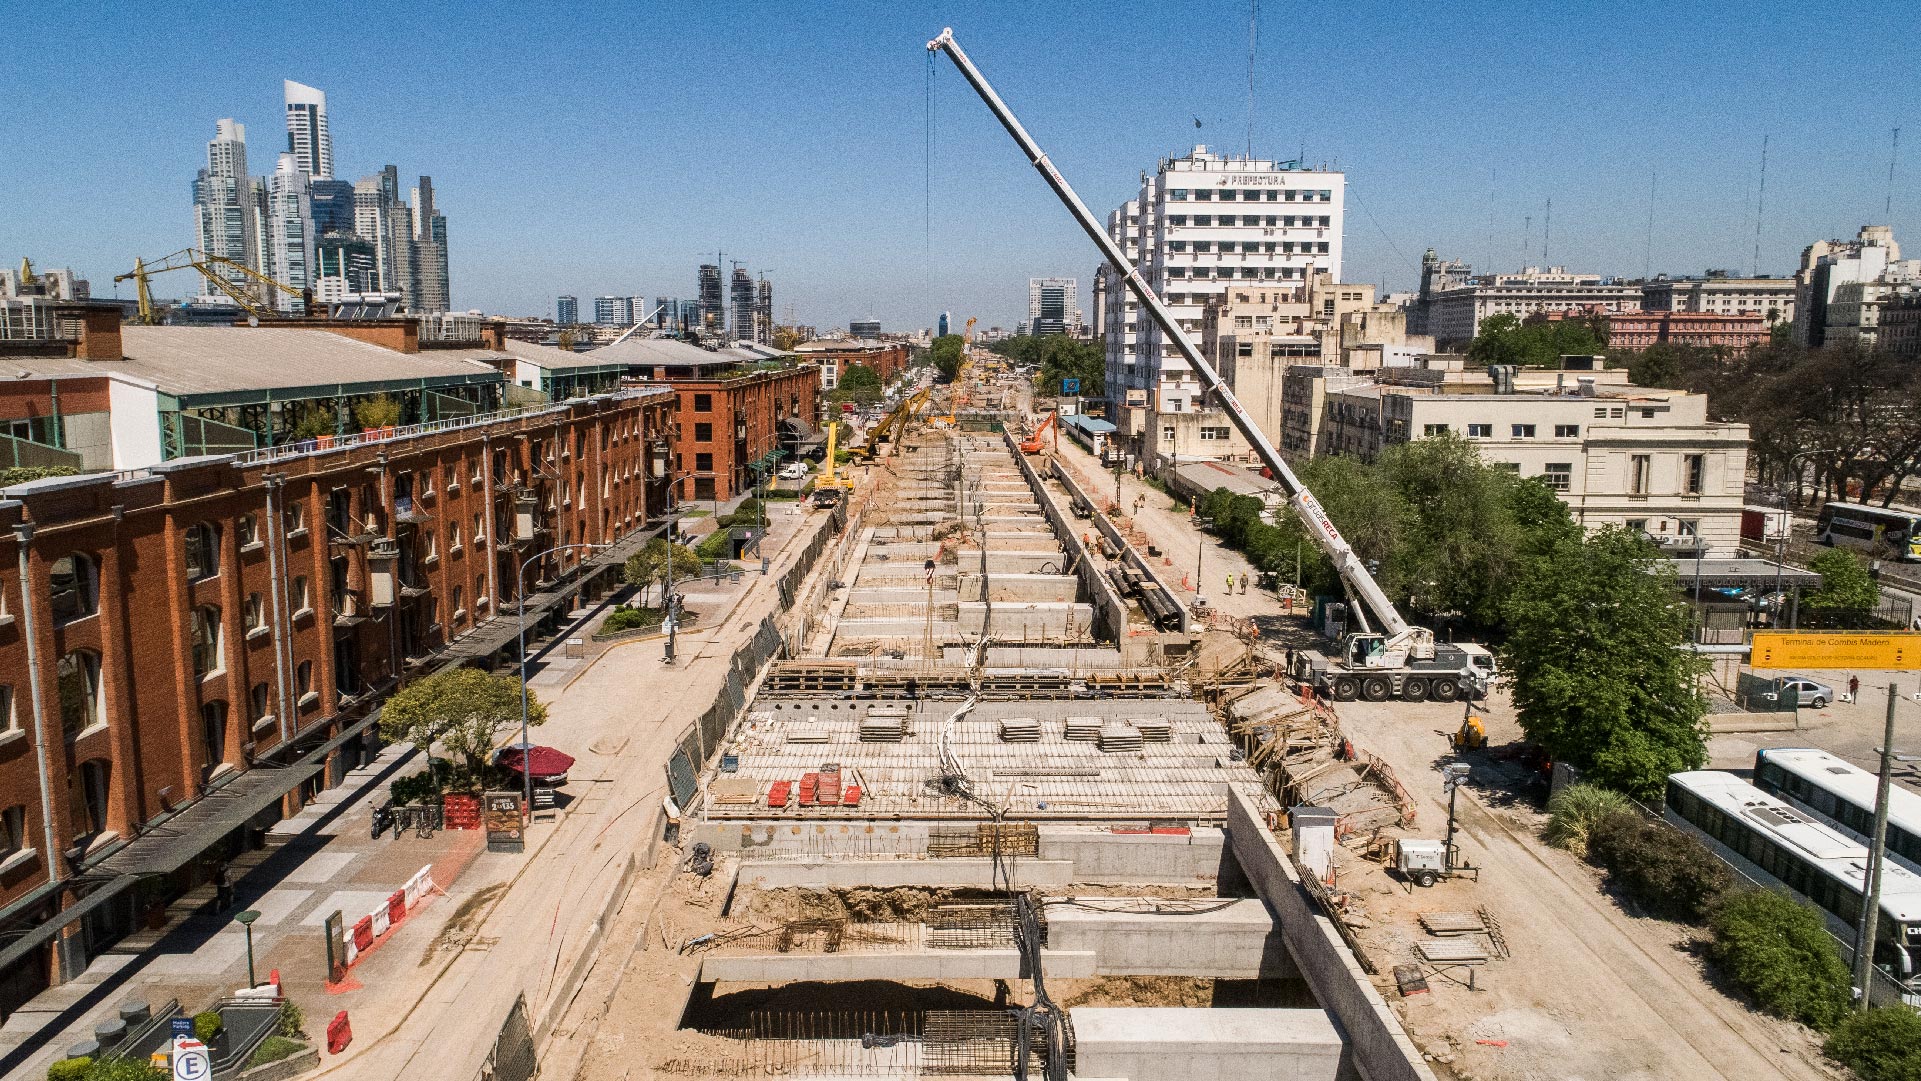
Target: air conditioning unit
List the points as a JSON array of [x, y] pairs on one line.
[[380, 572]]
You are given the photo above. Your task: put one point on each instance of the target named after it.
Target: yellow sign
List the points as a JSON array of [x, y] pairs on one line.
[[1820, 649]]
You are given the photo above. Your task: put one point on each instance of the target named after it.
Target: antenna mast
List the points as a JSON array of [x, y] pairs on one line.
[[1894, 154], [1760, 202]]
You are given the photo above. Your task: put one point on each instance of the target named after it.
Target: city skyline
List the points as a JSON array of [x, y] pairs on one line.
[[846, 241]]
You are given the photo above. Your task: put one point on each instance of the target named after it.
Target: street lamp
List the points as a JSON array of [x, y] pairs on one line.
[[245, 919], [526, 741]]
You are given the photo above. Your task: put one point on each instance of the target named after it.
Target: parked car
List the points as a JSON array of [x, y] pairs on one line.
[[793, 471], [1805, 691]]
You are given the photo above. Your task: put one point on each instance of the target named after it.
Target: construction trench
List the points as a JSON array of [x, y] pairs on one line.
[[1013, 817]]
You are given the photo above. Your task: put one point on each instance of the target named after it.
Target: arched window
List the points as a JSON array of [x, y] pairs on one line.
[[213, 731], [203, 551], [79, 682], [87, 797], [76, 588], [204, 632], [256, 613]]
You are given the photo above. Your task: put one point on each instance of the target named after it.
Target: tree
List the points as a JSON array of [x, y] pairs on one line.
[[649, 565], [785, 338], [1882, 1044], [946, 353], [1538, 343], [379, 411], [21, 474], [1781, 954], [1847, 594], [1463, 533], [1595, 636], [461, 709], [858, 376]]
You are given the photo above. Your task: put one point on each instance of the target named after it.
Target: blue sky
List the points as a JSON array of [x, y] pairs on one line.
[[595, 148]]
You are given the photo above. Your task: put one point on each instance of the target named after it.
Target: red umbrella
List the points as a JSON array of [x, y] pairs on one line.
[[545, 763]]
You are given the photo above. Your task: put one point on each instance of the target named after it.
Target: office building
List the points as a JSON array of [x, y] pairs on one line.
[[1731, 331], [712, 315], [1202, 222], [1619, 455], [567, 311], [742, 298], [1453, 300], [1052, 305], [614, 311], [864, 328], [290, 239], [940, 328], [307, 136], [764, 309], [1842, 284], [431, 288], [1719, 293], [224, 217]]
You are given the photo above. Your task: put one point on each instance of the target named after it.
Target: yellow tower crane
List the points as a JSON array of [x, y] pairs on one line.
[[260, 307]]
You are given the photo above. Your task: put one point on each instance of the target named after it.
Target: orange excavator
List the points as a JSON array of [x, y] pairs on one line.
[[1032, 444]]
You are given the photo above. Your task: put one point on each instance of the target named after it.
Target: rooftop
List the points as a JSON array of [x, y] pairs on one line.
[[659, 352]]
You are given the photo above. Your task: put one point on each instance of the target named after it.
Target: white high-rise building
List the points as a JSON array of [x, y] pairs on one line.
[[222, 194], [290, 239], [307, 135], [1201, 223]]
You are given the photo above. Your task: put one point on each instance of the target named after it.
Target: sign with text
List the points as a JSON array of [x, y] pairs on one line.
[[190, 1061], [1821, 649], [503, 822]]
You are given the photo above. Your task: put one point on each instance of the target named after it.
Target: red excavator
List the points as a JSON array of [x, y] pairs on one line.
[[1032, 444]]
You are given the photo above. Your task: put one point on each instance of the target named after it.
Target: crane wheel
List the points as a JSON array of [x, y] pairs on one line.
[[1376, 688], [1414, 690], [1346, 689], [1445, 690]]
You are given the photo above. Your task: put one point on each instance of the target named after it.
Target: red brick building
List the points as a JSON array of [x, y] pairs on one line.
[[888, 359], [1736, 331], [199, 645]]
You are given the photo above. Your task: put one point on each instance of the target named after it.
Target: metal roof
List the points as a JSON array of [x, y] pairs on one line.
[[552, 359], [1089, 424], [1736, 573], [658, 351]]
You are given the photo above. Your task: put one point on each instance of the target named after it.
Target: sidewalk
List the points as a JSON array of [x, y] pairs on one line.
[[434, 992]]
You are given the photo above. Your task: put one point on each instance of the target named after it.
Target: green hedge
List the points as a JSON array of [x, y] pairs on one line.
[[1781, 954], [1882, 1044], [275, 1048], [1666, 872], [70, 1069]]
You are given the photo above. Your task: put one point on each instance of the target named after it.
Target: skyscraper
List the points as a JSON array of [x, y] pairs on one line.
[[941, 332], [290, 241], [668, 315], [712, 315], [764, 310], [1051, 304], [430, 244], [567, 311], [223, 222], [307, 136], [614, 311], [743, 302]]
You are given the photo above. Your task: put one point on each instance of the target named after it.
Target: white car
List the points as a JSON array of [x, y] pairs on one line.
[[793, 471]]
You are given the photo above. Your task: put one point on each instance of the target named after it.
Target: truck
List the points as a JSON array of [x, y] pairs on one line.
[[1397, 659], [1762, 524]]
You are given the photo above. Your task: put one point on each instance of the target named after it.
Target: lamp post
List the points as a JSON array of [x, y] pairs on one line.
[[520, 614], [245, 919]]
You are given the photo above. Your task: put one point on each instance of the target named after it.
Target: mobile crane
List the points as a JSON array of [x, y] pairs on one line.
[[256, 306], [1399, 660], [832, 488]]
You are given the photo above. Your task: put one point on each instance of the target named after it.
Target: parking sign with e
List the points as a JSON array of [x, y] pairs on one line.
[[190, 1061]]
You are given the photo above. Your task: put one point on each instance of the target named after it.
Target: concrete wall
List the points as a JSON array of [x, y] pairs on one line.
[[1137, 859], [1172, 1044], [1379, 1048], [1227, 939], [1001, 585], [886, 873], [1016, 621], [1113, 534], [849, 966]]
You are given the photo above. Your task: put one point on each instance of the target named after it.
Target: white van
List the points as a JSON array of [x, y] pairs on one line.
[[1482, 660]]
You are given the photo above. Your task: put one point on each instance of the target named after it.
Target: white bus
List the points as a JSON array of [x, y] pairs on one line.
[[1843, 793], [1883, 532], [1780, 847]]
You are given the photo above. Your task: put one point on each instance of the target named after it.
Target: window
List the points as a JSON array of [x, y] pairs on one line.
[[1243, 349], [703, 403], [1695, 473], [78, 681], [1167, 433], [302, 595], [1558, 475], [259, 705], [88, 798], [204, 634], [254, 613], [453, 537], [1434, 429], [480, 531], [247, 528], [1228, 195], [13, 830], [1637, 525], [1639, 466], [1480, 431], [1567, 431], [480, 590], [203, 551], [294, 517], [76, 588], [1178, 195], [303, 684], [213, 732], [704, 462], [1203, 195], [703, 432], [1523, 431], [458, 610]]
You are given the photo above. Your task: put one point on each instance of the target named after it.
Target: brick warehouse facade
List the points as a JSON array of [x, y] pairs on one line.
[[167, 633], [732, 421]]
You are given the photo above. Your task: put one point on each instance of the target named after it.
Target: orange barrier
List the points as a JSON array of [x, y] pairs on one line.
[[340, 1033]]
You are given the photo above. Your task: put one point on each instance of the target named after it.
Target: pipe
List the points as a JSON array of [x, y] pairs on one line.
[[276, 537], [23, 535]]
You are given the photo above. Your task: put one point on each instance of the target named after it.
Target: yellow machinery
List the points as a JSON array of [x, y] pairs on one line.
[[967, 337], [831, 488], [894, 425], [260, 307], [1472, 735]]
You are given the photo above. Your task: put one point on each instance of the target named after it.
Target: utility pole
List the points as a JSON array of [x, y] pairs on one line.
[[1877, 857]]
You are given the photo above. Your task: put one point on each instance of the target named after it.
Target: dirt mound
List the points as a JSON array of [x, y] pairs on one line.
[[1137, 991]]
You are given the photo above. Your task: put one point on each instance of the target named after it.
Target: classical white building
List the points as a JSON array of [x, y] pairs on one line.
[[1453, 302], [1719, 294], [1842, 284]]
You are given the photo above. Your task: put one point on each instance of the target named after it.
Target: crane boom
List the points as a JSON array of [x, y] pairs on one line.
[[1346, 561]]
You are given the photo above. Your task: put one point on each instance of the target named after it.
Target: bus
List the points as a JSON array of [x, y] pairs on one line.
[[1785, 849], [1883, 532], [1842, 793]]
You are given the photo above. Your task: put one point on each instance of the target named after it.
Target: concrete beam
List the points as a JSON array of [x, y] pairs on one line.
[[884, 873], [848, 966], [1172, 1044]]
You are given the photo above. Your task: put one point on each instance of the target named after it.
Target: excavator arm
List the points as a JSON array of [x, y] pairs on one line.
[[1352, 569]]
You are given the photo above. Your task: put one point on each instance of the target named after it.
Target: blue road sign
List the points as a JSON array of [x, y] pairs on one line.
[[1070, 387], [180, 1027]]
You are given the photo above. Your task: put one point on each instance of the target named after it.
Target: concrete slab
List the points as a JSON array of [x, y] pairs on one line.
[[319, 867], [277, 905], [1170, 1044]]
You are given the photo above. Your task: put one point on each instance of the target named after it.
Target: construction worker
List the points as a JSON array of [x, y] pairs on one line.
[[1230, 583], [1243, 583]]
